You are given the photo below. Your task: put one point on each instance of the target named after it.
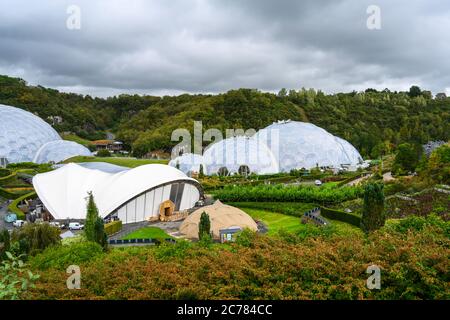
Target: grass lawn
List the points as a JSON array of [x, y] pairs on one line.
[[278, 221], [120, 161], [148, 233], [77, 139]]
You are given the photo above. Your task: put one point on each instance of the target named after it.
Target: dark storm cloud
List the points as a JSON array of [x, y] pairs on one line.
[[168, 47]]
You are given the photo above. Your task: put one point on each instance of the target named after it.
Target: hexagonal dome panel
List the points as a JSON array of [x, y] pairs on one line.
[[22, 134]]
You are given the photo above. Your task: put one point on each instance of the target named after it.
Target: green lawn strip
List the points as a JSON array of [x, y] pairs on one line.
[[77, 139], [296, 209], [148, 233], [120, 161], [276, 221]]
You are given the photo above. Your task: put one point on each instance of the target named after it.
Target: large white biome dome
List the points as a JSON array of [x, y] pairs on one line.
[[239, 154], [59, 150], [22, 135], [188, 163], [298, 145]]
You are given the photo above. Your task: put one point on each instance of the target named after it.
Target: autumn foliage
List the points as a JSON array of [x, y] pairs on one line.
[[413, 257]]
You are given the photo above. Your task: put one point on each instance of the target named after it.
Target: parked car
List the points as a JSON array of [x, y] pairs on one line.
[[56, 224], [10, 217], [19, 223], [318, 183], [75, 226]]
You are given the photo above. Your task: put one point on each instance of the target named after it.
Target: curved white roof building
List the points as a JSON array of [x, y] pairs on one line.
[[298, 145], [188, 163], [239, 154], [132, 195], [22, 134]]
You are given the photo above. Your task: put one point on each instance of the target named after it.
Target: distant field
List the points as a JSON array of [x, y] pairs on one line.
[[77, 139], [120, 161]]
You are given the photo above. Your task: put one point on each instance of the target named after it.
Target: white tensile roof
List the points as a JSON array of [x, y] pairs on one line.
[[25, 137], [64, 191]]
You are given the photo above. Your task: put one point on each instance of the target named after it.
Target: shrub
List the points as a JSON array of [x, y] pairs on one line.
[[8, 195], [282, 193], [8, 178], [4, 172], [246, 238], [414, 266], [4, 243], [113, 227], [94, 229], [204, 227], [60, 257], [343, 216], [415, 223], [103, 153], [406, 159], [373, 216], [14, 277], [35, 237], [168, 251]]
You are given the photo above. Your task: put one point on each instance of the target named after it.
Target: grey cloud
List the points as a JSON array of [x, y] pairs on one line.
[[178, 46]]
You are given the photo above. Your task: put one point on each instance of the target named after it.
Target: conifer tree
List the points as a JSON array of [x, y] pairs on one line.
[[204, 227], [373, 216]]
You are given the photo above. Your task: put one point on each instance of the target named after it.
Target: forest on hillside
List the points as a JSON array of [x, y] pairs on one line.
[[374, 121]]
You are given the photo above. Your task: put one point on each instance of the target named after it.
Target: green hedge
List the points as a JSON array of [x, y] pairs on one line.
[[7, 179], [4, 172], [13, 206], [113, 227], [289, 193], [341, 216], [8, 195]]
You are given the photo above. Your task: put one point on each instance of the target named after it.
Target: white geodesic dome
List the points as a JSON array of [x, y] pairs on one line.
[[60, 150], [237, 152], [298, 145], [187, 163], [25, 137], [350, 151], [22, 134]]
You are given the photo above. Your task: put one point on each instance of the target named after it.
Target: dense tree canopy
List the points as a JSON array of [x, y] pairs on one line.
[[373, 121]]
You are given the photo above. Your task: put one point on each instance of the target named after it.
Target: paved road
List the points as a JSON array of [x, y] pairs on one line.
[[358, 180], [388, 177]]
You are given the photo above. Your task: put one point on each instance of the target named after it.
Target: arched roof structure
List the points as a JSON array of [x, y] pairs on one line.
[[64, 191]]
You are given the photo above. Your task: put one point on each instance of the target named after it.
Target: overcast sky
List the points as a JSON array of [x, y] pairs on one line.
[[176, 46]]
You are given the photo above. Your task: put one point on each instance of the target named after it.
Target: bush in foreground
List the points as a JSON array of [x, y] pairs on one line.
[[414, 265], [60, 257]]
